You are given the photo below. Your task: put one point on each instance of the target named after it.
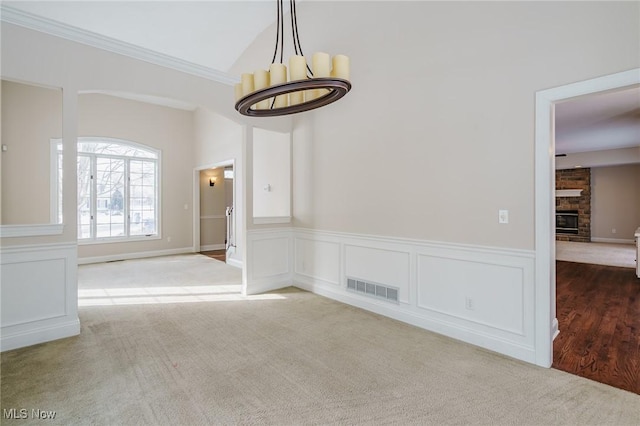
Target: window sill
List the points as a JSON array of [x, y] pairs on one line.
[[88, 242]]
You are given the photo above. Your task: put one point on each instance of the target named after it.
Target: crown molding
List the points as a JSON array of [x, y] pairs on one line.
[[28, 20]]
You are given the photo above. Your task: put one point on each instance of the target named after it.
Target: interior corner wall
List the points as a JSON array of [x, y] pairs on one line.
[[615, 203], [168, 130], [217, 140]]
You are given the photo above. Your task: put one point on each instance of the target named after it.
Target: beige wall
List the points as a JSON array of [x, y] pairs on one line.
[[615, 202], [31, 117], [443, 97], [167, 129], [213, 224], [43, 59]]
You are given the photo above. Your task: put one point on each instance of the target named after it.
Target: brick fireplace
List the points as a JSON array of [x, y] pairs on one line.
[[575, 179]]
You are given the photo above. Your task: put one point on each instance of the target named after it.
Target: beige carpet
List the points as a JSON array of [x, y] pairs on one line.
[[285, 358], [622, 255]]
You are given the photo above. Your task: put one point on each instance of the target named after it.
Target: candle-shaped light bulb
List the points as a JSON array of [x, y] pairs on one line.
[[297, 71], [237, 90], [321, 67], [247, 84], [261, 81], [340, 67], [278, 75]]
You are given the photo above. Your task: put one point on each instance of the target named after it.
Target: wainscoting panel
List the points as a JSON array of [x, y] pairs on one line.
[[39, 294], [379, 266], [270, 259], [33, 291], [480, 295], [318, 260], [487, 293]]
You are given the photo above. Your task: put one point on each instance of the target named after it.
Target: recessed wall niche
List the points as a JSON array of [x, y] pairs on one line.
[[31, 121]]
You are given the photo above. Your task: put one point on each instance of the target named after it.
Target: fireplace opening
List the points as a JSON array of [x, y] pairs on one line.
[[567, 222]]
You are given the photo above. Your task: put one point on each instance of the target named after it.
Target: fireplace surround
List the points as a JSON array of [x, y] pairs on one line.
[[573, 208]]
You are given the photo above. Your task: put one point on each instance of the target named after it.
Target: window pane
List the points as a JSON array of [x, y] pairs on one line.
[[110, 197], [107, 146], [84, 197], [142, 199], [117, 180]]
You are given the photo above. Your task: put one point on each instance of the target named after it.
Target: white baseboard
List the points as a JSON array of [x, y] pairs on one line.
[[271, 285], [34, 336], [611, 240], [138, 255], [210, 247], [235, 262]]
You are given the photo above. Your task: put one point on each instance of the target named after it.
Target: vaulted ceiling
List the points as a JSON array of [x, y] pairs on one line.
[[214, 34]]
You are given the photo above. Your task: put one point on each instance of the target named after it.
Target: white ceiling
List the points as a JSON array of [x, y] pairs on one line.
[[208, 33], [602, 121], [214, 34]]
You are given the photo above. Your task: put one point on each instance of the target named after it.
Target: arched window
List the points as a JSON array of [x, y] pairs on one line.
[[118, 190]]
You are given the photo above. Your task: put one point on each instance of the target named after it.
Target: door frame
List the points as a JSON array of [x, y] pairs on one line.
[[546, 323], [196, 198]]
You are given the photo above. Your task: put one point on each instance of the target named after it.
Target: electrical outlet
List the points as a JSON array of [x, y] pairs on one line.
[[614, 230], [468, 303]]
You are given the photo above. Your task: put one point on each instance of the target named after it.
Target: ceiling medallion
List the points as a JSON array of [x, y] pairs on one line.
[[275, 92]]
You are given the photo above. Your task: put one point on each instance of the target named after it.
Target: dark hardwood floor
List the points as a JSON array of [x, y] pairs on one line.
[[216, 254], [598, 310]]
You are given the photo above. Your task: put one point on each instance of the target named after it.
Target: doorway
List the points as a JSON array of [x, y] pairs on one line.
[[545, 294], [596, 286], [546, 102], [216, 212]]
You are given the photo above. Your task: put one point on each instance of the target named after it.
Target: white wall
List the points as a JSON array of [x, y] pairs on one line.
[[271, 176]]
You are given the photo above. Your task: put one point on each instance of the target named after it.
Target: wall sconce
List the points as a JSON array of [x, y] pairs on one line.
[[212, 181]]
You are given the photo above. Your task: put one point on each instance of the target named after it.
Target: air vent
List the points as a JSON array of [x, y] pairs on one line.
[[373, 290]]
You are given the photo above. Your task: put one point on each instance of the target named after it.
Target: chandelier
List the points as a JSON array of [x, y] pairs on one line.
[[274, 92]]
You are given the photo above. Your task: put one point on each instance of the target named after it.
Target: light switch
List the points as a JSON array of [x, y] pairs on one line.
[[503, 216]]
